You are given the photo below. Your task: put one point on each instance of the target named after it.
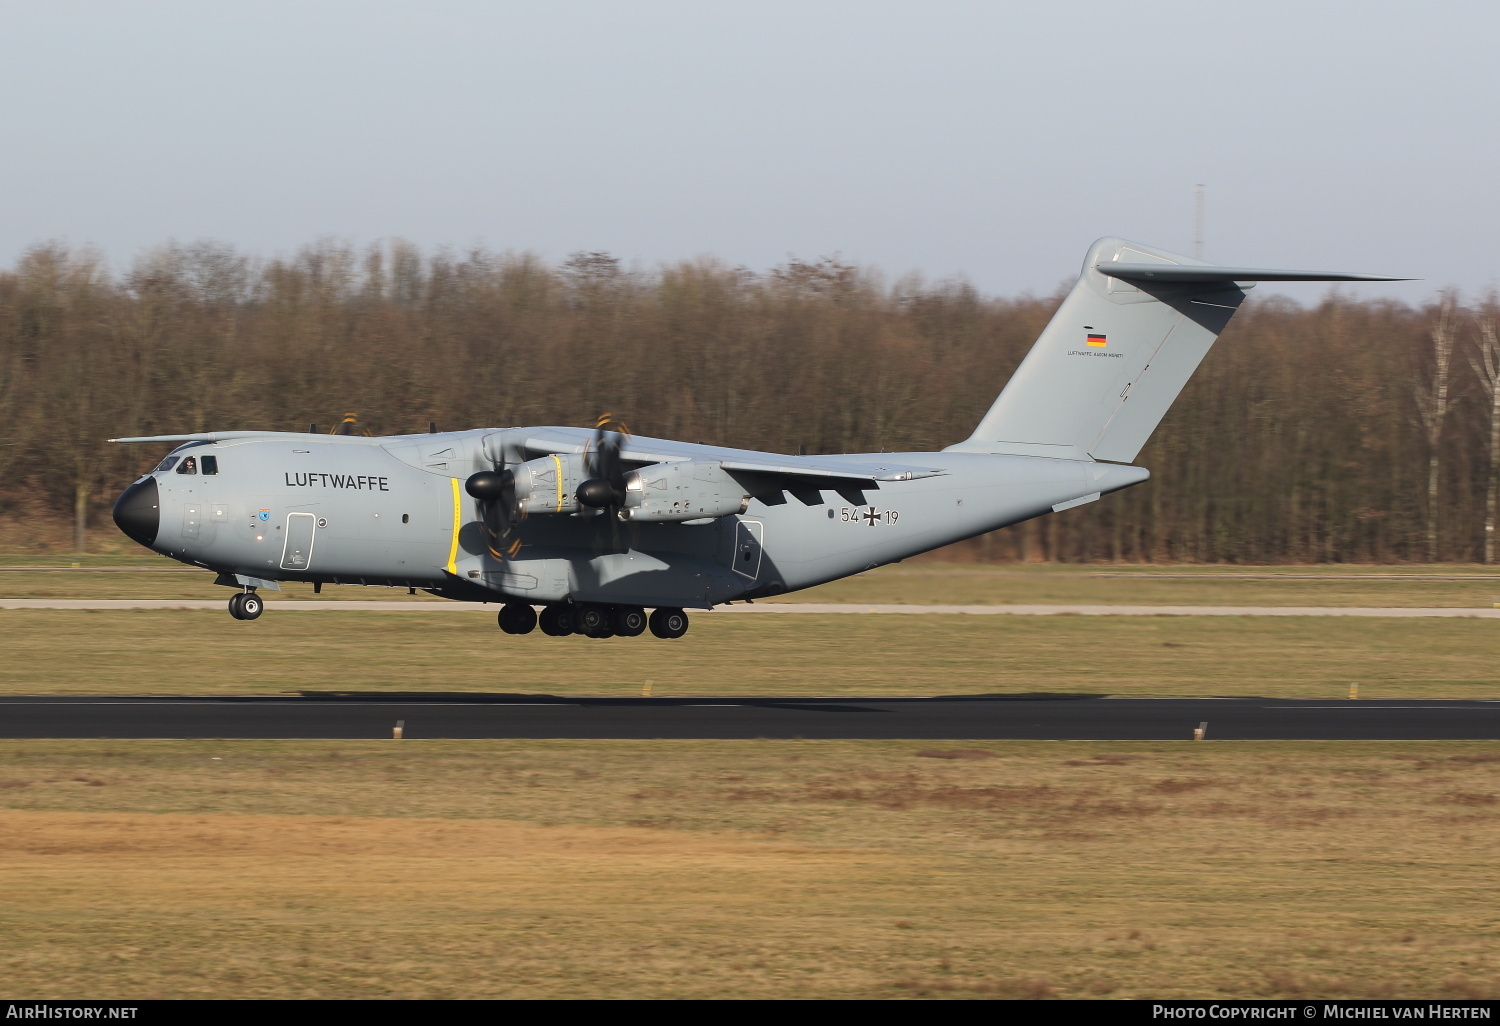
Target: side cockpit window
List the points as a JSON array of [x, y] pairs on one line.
[[167, 464], [210, 465], [189, 465]]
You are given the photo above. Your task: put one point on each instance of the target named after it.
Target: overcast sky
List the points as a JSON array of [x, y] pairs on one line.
[[991, 140]]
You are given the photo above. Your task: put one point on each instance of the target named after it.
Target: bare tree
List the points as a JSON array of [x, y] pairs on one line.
[[1433, 404], [1486, 364]]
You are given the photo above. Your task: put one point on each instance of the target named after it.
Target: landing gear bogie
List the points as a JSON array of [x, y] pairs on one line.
[[597, 620]]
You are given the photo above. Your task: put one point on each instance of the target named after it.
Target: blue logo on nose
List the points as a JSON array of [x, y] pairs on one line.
[[265, 514]]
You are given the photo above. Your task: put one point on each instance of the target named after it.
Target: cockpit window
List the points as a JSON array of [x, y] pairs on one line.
[[210, 465], [167, 463], [189, 465]]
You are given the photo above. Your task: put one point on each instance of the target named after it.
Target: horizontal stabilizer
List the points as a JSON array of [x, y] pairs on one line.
[[1185, 273]]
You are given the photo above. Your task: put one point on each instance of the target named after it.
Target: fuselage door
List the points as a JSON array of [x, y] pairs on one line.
[[297, 553], [749, 536]]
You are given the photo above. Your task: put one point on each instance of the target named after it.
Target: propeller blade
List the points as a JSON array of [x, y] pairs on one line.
[[605, 487], [496, 492]]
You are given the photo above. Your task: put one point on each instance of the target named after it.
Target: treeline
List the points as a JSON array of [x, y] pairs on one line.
[[1341, 432]]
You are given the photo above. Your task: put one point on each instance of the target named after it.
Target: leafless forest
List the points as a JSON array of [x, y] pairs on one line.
[[1353, 430]]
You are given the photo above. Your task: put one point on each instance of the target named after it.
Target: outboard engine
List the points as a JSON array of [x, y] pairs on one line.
[[690, 490]]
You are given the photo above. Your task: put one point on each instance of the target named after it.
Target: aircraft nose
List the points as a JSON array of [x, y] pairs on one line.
[[138, 511]]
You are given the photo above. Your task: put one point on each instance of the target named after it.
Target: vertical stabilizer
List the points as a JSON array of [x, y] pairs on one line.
[[1113, 358]]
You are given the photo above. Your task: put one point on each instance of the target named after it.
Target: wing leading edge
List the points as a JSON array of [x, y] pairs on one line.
[[644, 451]]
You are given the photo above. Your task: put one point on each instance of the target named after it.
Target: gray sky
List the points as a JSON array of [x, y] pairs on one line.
[[994, 140]]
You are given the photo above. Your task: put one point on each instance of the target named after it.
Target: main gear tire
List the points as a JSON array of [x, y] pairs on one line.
[[593, 621], [517, 618], [556, 621], [234, 607], [251, 606], [669, 623], [629, 621]]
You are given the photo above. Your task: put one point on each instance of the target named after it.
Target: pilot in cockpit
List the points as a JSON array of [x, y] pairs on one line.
[[189, 465]]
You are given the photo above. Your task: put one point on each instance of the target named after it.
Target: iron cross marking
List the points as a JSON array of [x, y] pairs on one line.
[[872, 516]]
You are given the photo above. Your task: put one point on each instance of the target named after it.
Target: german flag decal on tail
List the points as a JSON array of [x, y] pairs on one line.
[[1098, 341]]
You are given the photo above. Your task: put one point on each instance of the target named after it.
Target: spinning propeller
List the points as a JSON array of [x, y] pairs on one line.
[[605, 486], [496, 492]]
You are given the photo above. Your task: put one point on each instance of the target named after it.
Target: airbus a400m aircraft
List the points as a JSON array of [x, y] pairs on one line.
[[595, 526]]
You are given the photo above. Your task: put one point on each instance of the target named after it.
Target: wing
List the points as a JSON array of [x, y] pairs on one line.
[[224, 436], [644, 451]]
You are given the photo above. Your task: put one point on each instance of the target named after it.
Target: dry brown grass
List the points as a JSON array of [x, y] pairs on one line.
[[530, 868]]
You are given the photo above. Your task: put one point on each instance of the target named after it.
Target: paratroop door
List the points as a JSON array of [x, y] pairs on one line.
[[749, 537], [297, 555]]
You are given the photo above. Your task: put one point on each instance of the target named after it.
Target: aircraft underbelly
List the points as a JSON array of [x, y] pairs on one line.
[[811, 544]]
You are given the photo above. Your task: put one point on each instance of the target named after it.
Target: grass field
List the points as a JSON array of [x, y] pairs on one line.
[[758, 869], [753, 869], [207, 652], [921, 582]]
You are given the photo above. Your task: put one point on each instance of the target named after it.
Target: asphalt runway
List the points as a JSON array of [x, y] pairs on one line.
[[955, 718]]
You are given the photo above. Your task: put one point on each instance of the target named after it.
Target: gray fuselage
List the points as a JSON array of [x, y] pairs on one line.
[[394, 511]]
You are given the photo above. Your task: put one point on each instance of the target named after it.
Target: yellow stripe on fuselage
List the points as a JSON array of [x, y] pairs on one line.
[[558, 460], [453, 545]]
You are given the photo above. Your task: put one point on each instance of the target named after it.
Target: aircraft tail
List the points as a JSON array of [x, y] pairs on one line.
[[1118, 351]]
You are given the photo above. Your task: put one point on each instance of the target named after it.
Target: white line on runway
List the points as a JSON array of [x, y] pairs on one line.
[[819, 608]]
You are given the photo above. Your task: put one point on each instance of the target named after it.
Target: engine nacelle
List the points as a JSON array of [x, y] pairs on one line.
[[682, 491], [549, 484]]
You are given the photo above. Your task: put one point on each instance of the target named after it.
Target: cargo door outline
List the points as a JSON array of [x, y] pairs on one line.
[[749, 545], [296, 554]]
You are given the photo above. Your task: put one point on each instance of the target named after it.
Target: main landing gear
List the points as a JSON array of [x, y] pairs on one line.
[[246, 606], [593, 620]]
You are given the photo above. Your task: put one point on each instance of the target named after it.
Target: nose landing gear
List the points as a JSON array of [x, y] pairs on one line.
[[246, 606]]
